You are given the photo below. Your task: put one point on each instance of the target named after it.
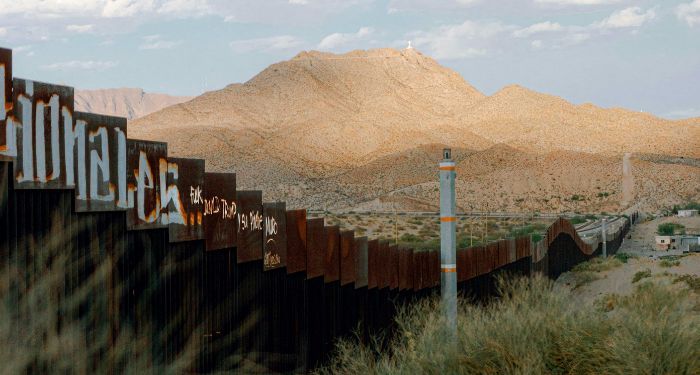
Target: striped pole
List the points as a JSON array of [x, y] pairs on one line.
[[448, 240]]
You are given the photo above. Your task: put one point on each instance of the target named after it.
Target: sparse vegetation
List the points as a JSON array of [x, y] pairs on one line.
[[669, 229], [667, 263], [586, 272], [537, 329], [687, 206], [639, 275], [692, 281], [597, 264], [624, 257]]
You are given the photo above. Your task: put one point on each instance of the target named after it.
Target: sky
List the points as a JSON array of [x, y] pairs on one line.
[[641, 55]]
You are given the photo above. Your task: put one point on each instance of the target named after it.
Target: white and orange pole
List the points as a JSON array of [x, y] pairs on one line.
[[448, 239]]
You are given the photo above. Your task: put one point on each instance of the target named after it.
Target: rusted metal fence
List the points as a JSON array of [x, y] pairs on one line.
[[158, 253]]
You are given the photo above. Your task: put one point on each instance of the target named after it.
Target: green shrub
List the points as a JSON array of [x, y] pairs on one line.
[[577, 220], [669, 229], [624, 257], [669, 263], [639, 275], [692, 281]]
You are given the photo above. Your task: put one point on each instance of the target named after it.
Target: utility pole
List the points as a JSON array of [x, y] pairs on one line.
[[604, 233], [471, 232], [486, 223], [448, 237]]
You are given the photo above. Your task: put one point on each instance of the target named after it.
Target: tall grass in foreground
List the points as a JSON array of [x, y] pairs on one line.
[[535, 328], [47, 326]]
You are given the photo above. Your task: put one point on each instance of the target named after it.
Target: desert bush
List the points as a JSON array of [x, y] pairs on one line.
[[639, 275], [667, 263], [582, 278], [577, 220], [692, 281], [669, 229], [535, 328], [597, 264], [624, 257]]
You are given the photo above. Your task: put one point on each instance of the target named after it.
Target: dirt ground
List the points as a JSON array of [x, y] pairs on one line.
[[619, 279]]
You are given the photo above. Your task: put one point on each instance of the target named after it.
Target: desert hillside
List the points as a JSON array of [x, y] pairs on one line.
[[365, 128], [127, 102]]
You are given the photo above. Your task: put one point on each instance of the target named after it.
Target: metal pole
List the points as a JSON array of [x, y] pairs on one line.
[[471, 233], [448, 237], [604, 233]]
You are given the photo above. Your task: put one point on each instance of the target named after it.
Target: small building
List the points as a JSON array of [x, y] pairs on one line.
[[689, 242], [677, 242], [687, 213], [665, 243]]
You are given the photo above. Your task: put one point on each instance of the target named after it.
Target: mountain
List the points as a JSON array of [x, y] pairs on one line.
[[126, 102], [366, 127]]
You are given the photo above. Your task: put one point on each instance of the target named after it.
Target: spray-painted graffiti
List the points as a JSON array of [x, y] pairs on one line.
[[249, 222], [96, 167], [42, 114], [275, 235], [220, 210], [184, 216], [8, 148], [144, 185]]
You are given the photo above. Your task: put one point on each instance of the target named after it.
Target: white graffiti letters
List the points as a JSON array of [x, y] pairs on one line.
[[252, 221], [170, 193], [217, 205], [270, 226], [100, 161], [144, 180], [196, 195]]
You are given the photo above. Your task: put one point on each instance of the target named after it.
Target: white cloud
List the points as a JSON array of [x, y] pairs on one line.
[[628, 17], [268, 44], [103, 8], [465, 40], [185, 8], [80, 28], [537, 28], [537, 44], [689, 13], [396, 6], [577, 2], [337, 40], [81, 65], [299, 2], [50, 8], [155, 42], [3, 31], [127, 8]]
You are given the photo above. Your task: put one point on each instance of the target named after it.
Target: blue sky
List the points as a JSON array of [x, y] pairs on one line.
[[642, 55]]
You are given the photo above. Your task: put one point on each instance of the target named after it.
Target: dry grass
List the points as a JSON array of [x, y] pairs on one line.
[[586, 272], [536, 329], [48, 327]]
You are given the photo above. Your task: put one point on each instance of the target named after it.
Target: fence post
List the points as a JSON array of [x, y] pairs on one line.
[[448, 245], [604, 235]]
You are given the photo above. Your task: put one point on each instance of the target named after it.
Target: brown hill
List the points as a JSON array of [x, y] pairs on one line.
[[324, 130], [540, 122], [126, 102]]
